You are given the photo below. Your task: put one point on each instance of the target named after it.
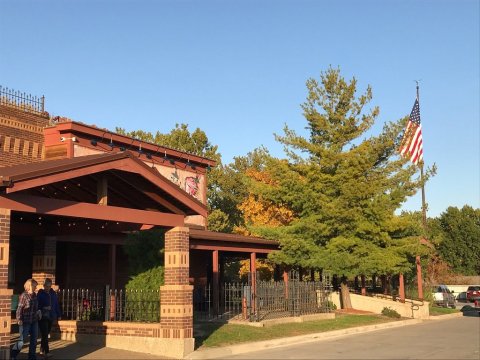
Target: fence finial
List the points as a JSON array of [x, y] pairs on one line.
[[22, 101]]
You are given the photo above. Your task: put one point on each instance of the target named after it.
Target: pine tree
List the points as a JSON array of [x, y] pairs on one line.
[[342, 184]]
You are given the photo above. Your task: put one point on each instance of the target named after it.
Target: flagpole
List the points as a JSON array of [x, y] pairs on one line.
[[424, 220], [424, 205]]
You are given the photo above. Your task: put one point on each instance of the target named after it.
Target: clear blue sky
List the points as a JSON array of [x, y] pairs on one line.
[[237, 69]]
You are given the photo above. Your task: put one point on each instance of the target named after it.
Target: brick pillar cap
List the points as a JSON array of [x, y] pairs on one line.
[[179, 228], [4, 211]]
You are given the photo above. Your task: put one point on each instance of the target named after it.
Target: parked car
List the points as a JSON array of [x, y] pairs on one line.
[[442, 296], [462, 297], [473, 293]]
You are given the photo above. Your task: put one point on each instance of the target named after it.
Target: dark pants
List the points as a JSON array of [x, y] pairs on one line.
[[45, 326], [26, 329]]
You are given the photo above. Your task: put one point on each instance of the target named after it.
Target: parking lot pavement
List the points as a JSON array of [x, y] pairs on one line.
[[454, 338]]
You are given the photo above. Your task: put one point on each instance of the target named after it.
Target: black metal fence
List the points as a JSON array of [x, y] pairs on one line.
[[261, 300], [22, 101], [229, 304], [110, 305], [294, 298]]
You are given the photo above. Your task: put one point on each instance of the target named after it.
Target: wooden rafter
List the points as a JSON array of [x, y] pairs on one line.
[[41, 205]]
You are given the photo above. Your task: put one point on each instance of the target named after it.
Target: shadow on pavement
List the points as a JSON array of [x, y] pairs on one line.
[[64, 350], [471, 311]]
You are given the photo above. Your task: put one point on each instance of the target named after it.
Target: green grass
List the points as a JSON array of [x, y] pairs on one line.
[[228, 334], [435, 310]]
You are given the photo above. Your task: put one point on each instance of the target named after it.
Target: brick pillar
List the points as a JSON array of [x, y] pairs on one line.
[[5, 293], [176, 302], [44, 259]]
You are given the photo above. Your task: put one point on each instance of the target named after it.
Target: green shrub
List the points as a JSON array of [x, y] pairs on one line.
[[331, 305], [150, 279], [388, 312], [142, 297]]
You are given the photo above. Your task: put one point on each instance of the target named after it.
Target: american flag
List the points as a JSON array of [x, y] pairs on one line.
[[412, 144]]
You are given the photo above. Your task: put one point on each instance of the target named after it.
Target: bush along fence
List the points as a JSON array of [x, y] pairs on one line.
[[110, 305], [261, 300]]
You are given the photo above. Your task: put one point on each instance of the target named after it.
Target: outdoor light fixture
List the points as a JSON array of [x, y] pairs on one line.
[[73, 138], [149, 156], [122, 148], [93, 142], [166, 158]]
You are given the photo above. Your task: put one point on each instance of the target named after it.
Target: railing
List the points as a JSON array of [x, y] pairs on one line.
[[230, 301], [82, 304], [271, 299], [110, 305], [22, 101], [296, 298], [133, 306]]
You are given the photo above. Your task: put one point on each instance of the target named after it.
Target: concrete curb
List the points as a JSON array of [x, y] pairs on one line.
[[445, 317], [222, 352]]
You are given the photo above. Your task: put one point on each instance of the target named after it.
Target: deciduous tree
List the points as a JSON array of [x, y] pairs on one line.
[[459, 239]]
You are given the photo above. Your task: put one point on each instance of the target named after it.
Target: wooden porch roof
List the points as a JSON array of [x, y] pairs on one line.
[[137, 193]]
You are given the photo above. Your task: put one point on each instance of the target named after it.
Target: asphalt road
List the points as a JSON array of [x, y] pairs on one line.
[[457, 338]]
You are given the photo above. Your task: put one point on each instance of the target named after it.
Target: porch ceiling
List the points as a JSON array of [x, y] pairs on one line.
[[66, 228], [69, 187]]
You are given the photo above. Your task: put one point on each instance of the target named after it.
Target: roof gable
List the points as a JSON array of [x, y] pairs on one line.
[[131, 182]]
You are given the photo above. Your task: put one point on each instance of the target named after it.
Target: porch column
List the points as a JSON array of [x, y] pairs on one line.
[[216, 282], [401, 288], [253, 273], [419, 278], [112, 260], [176, 306], [5, 293], [44, 259], [285, 282], [364, 290]]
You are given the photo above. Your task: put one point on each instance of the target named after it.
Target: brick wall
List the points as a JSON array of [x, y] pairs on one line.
[[44, 259], [5, 294], [144, 338], [21, 136], [70, 329]]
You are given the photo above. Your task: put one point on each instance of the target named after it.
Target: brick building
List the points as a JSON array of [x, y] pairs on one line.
[[69, 194]]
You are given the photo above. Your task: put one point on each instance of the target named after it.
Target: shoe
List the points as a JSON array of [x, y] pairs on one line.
[[47, 356], [14, 354]]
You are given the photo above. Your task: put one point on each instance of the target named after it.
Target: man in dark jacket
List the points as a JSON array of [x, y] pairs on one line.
[[48, 304]]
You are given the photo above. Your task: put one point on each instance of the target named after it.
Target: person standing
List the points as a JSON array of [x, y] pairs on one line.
[[27, 317], [48, 305]]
